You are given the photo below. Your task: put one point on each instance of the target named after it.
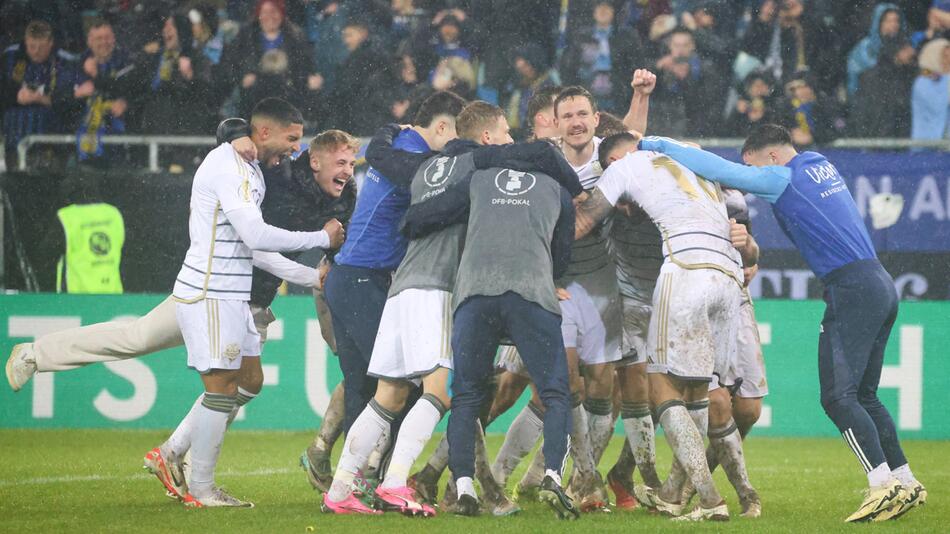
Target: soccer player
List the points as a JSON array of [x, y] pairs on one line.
[[735, 392], [816, 211], [358, 283], [516, 220], [696, 301], [214, 285]]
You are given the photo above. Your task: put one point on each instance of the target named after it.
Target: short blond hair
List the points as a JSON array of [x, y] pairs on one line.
[[329, 140], [476, 118]]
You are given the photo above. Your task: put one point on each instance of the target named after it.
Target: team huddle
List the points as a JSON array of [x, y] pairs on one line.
[[604, 270]]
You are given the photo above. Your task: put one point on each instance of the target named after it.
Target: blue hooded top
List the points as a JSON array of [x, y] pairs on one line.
[[864, 54]]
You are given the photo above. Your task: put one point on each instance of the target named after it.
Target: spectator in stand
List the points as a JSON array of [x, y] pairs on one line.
[[399, 87], [324, 24], [448, 39], [204, 29], [712, 40], [757, 105], [881, 107], [105, 83], [602, 57], [657, 43], [455, 74], [935, 29], [788, 40], [886, 24], [36, 88], [270, 30], [811, 116], [175, 81], [534, 73], [690, 95], [409, 20], [930, 100], [356, 79], [641, 14]]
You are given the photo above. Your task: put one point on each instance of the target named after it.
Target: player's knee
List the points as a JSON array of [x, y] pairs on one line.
[[746, 412], [391, 395]]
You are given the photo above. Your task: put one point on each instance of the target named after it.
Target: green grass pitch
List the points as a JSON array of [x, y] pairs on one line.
[[92, 481]]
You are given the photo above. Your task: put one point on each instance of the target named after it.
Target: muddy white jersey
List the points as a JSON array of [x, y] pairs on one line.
[[689, 212], [218, 264], [636, 247]]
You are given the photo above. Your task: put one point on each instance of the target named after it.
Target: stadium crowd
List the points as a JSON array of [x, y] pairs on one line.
[[95, 67]]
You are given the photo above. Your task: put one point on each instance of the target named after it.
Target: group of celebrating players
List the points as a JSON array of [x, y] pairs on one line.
[[605, 270]]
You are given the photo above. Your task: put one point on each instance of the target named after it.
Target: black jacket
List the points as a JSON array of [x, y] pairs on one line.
[[295, 202]]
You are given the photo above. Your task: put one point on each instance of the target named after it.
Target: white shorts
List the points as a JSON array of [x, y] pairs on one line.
[[636, 325], [217, 333], [747, 363], [594, 310], [414, 336], [509, 360], [694, 322], [582, 327]]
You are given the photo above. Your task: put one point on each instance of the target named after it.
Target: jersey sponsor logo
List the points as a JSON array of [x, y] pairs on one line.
[[823, 172], [514, 183], [438, 171]]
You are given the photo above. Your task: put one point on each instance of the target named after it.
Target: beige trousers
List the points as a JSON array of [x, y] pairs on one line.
[[108, 342], [157, 330]]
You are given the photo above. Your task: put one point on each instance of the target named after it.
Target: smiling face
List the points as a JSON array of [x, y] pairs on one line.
[[576, 121], [101, 42], [275, 141], [333, 168]]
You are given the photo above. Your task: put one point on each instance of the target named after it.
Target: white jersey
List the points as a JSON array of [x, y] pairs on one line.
[[689, 211], [218, 264], [636, 247]]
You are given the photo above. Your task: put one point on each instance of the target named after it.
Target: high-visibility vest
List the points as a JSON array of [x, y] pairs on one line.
[[95, 234]]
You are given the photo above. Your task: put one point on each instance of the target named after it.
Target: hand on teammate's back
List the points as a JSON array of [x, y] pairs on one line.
[[739, 234], [334, 229]]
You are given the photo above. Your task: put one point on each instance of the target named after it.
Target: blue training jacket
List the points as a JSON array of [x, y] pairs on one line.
[[808, 196], [373, 239]]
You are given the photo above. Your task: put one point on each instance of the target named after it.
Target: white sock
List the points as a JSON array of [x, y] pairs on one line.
[[727, 445], [642, 437], [367, 431], [414, 433], [207, 434], [180, 441], [521, 437], [465, 486], [243, 397], [904, 474], [879, 476], [554, 475], [600, 424], [580, 443], [535, 474], [687, 444], [699, 413]]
